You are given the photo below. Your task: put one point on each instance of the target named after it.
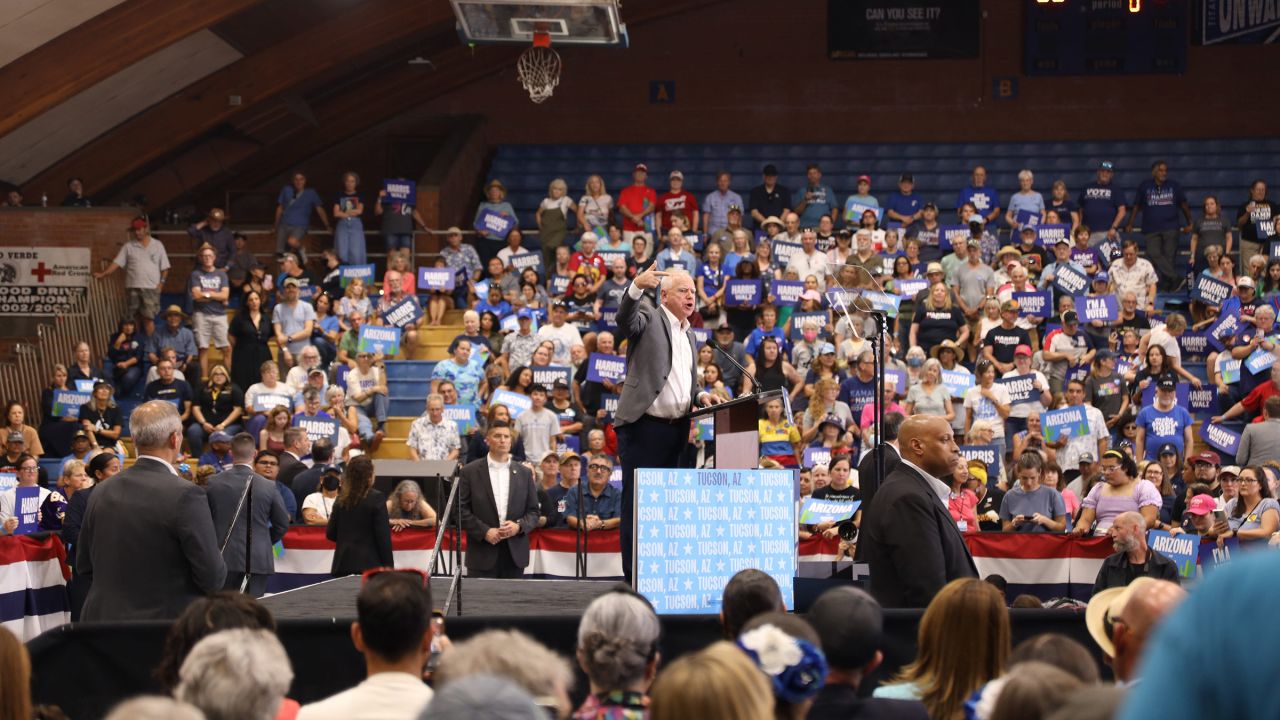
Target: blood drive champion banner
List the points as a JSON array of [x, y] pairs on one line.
[[43, 282]]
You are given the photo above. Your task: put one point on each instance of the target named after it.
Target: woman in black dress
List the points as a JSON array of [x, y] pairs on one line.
[[250, 332], [359, 523]]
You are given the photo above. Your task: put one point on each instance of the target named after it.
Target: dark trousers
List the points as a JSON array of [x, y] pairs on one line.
[[645, 443], [257, 586], [504, 568], [1162, 248]]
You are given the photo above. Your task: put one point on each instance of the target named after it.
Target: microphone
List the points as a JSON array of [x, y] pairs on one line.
[[755, 384]]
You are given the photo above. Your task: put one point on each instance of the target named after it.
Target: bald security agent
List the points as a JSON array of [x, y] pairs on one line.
[[661, 388], [908, 537]]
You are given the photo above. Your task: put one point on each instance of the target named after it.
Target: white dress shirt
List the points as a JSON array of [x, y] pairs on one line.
[[500, 480], [942, 489], [383, 696], [168, 466], [674, 400]]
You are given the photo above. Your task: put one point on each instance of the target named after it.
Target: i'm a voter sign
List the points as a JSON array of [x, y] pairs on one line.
[[318, 428], [1069, 422], [402, 314], [742, 292], [606, 368], [383, 340], [441, 279], [696, 528], [1034, 303], [1104, 308], [495, 223]]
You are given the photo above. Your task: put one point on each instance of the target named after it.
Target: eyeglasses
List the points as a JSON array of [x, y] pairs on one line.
[[1110, 468], [604, 468], [29, 468], [1250, 480], [373, 572]]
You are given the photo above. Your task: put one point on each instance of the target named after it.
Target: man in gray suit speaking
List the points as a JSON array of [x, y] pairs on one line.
[[662, 383], [246, 524]]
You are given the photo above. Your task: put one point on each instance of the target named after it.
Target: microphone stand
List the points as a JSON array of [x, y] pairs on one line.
[[455, 585], [580, 537]]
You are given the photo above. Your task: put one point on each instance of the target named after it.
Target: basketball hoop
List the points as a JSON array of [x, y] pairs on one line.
[[539, 68]]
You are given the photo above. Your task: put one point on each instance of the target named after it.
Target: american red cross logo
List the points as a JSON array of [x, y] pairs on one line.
[[40, 271]]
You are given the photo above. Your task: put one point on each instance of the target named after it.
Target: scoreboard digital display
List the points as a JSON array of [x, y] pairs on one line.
[[1106, 37]]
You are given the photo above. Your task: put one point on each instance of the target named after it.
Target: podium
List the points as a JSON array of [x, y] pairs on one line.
[[737, 428]]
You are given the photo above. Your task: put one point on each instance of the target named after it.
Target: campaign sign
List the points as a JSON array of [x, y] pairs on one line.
[[26, 503], [1182, 393], [951, 235], [1203, 403], [1194, 345], [882, 302], [1069, 422], [66, 403], [1099, 307], [611, 255], [515, 402], [548, 375], [8, 481], [990, 455], [814, 511], [696, 528], [798, 320], [1070, 280], [958, 381], [1027, 218], [84, 386], [1212, 557], [402, 314], [347, 273], [701, 335], [705, 429], [265, 402], [1048, 234], [399, 190], [787, 292], [854, 210], [1034, 304], [1266, 228], [384, 340], [318, 428], [1259, 360], [1021, 388], [521, 261], [1210, 290], [1230, 372], [464, 416], [909, 287], [495, 223], [1181, 549], [606, 368], [559, 284], [441, 279], [1220, 438], [609, 402], [814, 456], [742, 292], [1228, 323], [841, 298], [481, 289], [608, 318], [898, 378], [1275, 248], [783, 250]]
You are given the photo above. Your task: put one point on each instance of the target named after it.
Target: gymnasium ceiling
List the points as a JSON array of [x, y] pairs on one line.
[[172, 98]]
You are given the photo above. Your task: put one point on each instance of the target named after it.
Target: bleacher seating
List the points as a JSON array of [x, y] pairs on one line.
[[1222, 167]]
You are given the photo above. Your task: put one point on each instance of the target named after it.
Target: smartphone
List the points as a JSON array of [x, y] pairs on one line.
[[437, 634], [1219, 516]]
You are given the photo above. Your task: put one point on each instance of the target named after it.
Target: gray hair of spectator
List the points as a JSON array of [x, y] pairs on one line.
[[155, 707], [931, 363], [595, 433], [1036, 411], [72, 466], [471, 315], [1131, 519], [333, 391], [1059, 651], [748, 593], [434, 397], [483, 697], [1264, 308], [410, 486], [152, 424], [1025, 174], [243, 448], [889, 427], [309, 351], [293, 436], [617, 639], [311, 393], [1033, 689], [236, 675], [850, 624], [510, 654], [1102, 702]]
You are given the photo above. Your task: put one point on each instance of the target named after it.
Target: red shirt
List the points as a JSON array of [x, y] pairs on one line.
[[593, 267], [962, 508], [636, 199], [1254, 400], [682, 202]]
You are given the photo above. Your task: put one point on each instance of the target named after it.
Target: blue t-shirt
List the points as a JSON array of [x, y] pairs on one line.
[[1159, 205], [298, 208], [759, 334], [1044, 500], [1098, 205], [1032, 201], [605, 507], [905, 205], [1064, 209], [856, 394], [984, 199], [1163, 427], [712, 278], [465, 377], [730, 266], [822, 200]]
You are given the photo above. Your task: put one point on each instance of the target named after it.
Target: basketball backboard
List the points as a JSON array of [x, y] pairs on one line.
[[567, 22]]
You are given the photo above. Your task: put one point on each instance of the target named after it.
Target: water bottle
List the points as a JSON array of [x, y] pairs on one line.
[[44, 199]]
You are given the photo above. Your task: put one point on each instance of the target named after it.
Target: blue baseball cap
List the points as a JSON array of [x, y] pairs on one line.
[[1102, 276], [524, 314], [825, 348]]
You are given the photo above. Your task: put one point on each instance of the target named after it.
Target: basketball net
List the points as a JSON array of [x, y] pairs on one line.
[[539, 68]]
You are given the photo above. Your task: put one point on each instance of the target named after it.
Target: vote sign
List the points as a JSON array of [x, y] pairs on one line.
[[1105, 308]]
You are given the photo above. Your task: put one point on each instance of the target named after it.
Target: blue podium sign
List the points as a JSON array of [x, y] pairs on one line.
[[695, 528]]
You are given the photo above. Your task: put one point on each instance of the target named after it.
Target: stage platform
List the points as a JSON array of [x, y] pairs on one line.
[[336, 599]]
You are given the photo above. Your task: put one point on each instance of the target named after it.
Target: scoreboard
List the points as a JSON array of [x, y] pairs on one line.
[[1106, 37]]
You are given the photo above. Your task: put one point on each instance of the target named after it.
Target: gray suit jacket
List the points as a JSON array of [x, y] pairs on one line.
[[270, 518], [479, 513], [148, 544], [648, 334]]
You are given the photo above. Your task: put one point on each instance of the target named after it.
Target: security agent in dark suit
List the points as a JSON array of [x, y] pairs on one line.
[[662, 381], [296, 444], [850, 624], [909, 540], [235, 511], [497, 539], [147, 541]]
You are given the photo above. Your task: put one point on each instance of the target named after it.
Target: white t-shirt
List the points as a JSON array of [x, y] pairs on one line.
[[384, 696], [1160, 336], [984, 409], [563, 337], [321, 504]]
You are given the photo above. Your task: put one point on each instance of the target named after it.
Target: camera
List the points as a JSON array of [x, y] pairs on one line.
[[848, 531]]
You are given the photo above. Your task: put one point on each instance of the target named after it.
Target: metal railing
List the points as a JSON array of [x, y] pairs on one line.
[[29, 372]]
